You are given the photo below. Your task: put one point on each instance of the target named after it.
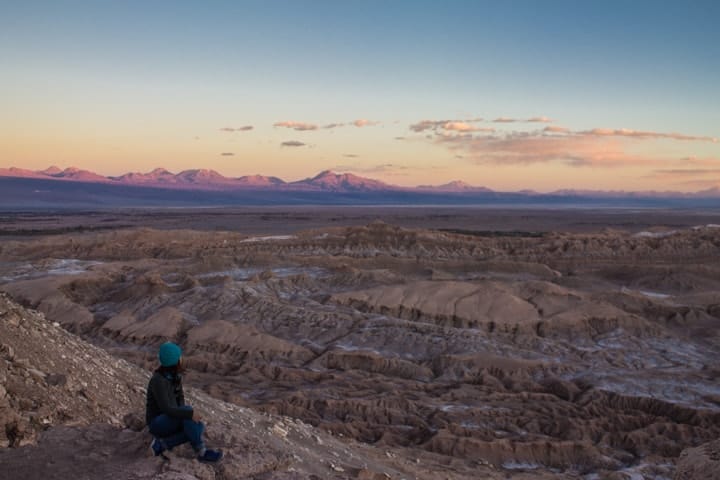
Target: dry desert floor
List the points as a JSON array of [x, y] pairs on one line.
[[368, 343]]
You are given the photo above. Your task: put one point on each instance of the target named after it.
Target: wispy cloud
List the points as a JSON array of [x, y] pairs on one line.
[[688, 171], [541, 119], [687, 176], [298, 126], [425, 125], [245, 128], [292, 143], [625, 132], [535, 147], [350, 155], [227, 154], [701, 161], [388, 169], [702, 183], [598, 147], [364, 123], [303, 127], [465, 127], [555, 129]]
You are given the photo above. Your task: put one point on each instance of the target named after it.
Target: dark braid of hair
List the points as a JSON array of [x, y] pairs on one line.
[[173, 370]]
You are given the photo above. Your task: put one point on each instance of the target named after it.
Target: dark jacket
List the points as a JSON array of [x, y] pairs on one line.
[[165, 395]]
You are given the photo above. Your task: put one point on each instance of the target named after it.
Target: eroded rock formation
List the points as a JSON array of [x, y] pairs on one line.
[[557, 354]]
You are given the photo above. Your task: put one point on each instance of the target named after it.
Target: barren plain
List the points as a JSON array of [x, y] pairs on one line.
[[462, 343]]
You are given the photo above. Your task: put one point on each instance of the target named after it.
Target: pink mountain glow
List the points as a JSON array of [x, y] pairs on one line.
[[348, 182], [259, 181], [201, 176], [159, 175], [78, 175], [326, 181], [454, 186], [20, 173], [52, 170]]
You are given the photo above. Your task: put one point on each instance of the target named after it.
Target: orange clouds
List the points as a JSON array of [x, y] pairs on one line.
[[541, 119], [689, 177], [425, 125], [303, 127], [705, 161], [597, 147], [388, 169], [688, 171], [556, 129], [535, 147], [364, 123], [465, 127], [624, 132]]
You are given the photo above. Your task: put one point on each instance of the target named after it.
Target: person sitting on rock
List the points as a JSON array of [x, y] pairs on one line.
[[170, 421]]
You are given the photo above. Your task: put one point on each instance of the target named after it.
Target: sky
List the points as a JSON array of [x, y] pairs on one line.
[[511, 95]]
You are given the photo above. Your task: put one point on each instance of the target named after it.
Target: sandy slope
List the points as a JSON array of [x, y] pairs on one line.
[[70, 410]]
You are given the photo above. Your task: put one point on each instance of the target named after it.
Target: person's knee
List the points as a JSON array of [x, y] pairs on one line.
[[193, 425], [162, 426]]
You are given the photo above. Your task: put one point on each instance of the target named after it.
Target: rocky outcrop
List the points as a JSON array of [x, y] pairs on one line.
[[50, 377], [511, 308], [453, 304], [70, 410], [244, 342], [700, 463]]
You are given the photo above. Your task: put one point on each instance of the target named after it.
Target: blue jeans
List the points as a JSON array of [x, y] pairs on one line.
[[176, 431]]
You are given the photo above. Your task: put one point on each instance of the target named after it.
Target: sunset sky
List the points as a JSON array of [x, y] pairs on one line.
[[505, 94]]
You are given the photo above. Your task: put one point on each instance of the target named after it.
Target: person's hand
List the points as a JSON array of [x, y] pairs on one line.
[[196, 416]]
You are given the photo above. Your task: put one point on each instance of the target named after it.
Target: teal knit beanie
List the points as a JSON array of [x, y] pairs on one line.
[[169, 354]]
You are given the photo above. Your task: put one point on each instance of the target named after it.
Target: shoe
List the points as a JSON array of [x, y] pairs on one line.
[[211, 456], [157, 447]]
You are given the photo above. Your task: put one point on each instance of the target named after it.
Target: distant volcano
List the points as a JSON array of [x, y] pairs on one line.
[[343, 182], [454, 186]]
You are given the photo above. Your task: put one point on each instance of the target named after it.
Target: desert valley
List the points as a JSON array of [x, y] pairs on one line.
[[487, 344]]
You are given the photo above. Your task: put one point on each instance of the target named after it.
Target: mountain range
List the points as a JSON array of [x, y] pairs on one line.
[[205, 179], [56, 188], [325, 181]]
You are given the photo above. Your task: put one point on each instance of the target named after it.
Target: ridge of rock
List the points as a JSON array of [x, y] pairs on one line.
[[79, 409]]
